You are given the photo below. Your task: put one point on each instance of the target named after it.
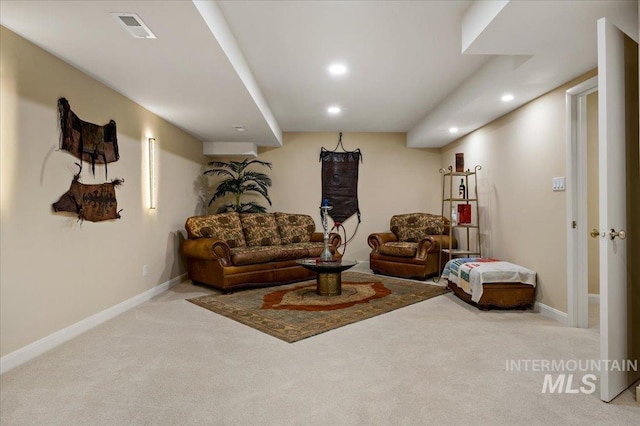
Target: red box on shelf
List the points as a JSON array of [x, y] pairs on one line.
[[464, 213]]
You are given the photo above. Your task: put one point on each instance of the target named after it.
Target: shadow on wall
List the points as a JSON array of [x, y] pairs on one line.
[[45, 161], [202, 189], [487, 193], [174, 263]]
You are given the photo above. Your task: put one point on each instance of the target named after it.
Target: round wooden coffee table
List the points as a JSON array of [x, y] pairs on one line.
[[329, 274]]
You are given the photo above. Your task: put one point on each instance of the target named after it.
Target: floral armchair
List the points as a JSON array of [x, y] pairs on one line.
[[411, 249]]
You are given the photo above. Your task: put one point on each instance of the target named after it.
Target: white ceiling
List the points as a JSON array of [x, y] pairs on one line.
[[414, 66]]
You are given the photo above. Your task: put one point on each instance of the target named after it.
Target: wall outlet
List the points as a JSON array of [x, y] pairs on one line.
[[145, 270]]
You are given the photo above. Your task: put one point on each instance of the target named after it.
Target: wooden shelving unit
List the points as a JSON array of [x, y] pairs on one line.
[[451, 198]]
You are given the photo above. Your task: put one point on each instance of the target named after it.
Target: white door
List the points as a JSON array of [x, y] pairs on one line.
[[613, 209]]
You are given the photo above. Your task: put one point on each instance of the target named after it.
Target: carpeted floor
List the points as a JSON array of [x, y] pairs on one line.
[[441, 361], [295, 312]]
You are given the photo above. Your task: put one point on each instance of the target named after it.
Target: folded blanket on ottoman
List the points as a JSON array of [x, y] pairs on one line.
[[471, 273]]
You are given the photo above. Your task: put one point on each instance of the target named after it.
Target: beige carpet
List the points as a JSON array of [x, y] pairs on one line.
[[295, 312], [440, 362]]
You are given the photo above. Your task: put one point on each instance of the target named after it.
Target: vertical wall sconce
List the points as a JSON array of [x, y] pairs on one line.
[[152, 173]]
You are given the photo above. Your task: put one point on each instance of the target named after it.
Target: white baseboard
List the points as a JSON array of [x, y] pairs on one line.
[[594, 298], [45, 344], [549, 312]]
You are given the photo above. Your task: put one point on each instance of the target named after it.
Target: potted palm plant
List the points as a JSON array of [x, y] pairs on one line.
[[238, 181]]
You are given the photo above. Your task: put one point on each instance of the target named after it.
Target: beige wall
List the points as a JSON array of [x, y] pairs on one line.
[[523, 221], [48, 261], [392, 179], [593, 221], [54, 270]]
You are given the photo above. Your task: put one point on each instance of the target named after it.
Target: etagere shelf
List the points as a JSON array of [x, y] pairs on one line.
[[453, 196]]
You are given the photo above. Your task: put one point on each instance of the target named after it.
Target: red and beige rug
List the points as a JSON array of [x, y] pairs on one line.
[[295, 312]]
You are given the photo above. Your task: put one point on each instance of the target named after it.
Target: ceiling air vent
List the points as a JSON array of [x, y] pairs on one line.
[[133, 24]]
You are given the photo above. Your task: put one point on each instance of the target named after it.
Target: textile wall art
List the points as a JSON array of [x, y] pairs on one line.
[[95, 144], [340, 182], [94, 203], [87, 141]]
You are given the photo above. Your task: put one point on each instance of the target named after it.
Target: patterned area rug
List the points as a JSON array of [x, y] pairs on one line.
[[295, 312]]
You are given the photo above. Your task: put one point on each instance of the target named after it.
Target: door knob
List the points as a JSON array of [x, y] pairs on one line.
[[620, 234], [594, 233]]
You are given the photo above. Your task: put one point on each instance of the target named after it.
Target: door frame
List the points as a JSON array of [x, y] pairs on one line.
[[577, 228]]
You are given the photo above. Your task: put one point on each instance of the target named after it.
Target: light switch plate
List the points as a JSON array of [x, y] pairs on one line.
[[558, 183]]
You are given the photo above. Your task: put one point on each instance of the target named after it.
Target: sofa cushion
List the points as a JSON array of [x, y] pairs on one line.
[[316, 249], [294, 228], [295, 251], [260, 229], [252, 255], [413, 227], [222, 226], [262, 254], [399, 249]]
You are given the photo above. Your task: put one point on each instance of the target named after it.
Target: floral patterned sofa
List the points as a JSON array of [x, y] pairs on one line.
[[233, 250], [411, 249]]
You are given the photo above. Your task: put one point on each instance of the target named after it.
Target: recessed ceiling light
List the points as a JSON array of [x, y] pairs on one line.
[[333, 110], [239, 128], [507, 97], [337, 69], [453, 130]]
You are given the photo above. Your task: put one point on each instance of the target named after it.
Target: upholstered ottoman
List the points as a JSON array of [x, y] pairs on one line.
[[491, 283]]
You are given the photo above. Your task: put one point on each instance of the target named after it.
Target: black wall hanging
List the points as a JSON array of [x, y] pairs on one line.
[[87, 141], [340, 183]]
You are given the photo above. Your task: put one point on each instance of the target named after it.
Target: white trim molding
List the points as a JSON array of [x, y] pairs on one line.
[[576, 152], [51, 341], [553, 313]]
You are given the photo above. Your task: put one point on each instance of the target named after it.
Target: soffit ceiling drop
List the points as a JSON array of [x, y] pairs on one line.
[[415, 67], [185, 75]]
